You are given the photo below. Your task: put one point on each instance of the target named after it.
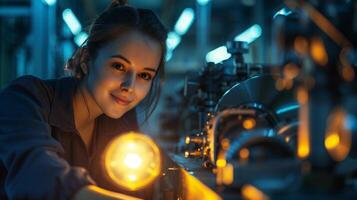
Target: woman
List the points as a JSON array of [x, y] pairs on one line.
[[53, 132]]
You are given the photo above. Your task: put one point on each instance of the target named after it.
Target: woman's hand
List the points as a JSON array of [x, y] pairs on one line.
[[92, 192]]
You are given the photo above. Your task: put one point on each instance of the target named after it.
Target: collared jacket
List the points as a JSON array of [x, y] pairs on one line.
[[42, 155]]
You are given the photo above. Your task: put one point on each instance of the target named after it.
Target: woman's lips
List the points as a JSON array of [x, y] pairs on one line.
[[121, 100]]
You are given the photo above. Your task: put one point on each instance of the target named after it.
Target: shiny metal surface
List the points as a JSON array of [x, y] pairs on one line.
[[276, 113], [260, 92]]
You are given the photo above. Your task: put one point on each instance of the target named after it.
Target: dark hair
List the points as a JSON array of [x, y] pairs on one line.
[[116, 19]]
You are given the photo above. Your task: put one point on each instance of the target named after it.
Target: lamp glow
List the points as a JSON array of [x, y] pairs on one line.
[[251, 192], [72, 22], [185, 20], [338, 135], [132, 161], [303, 137], [249, 123]]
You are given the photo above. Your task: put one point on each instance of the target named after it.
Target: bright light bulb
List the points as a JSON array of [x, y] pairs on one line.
[[132, 160], [132, 177]]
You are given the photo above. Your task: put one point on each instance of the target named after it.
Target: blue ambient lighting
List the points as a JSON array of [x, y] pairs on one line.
[[250, 34], [71, 21], [185, 20], [218, 55]]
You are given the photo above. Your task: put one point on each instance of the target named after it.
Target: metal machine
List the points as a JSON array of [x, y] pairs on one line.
[[282, 132]]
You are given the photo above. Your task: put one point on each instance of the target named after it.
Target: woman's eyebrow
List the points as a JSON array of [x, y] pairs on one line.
[[150, 69], [121, 57], [128, 61]]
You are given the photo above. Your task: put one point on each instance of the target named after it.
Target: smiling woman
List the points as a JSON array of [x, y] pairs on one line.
[[122, 73], [56, 133]]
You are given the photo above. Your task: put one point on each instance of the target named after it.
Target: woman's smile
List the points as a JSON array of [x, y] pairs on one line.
[[121, 100]]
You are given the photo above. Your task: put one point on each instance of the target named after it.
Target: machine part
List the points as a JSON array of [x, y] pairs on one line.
[[260, 91], [237, 49], [274, 111], [245, 112]]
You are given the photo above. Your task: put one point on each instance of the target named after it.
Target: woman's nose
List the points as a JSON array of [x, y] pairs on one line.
[[128, 82]]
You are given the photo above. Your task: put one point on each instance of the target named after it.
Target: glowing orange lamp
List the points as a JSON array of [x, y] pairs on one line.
[[132, 161]]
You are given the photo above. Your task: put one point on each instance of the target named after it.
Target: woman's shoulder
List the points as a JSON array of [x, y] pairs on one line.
[[29, 85], [36, 94], [36, 84], [25, 81]]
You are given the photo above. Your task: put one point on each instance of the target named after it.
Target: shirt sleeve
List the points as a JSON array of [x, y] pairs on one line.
[[28, 151]]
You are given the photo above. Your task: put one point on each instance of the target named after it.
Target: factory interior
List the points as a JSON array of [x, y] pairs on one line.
[[258, 101]]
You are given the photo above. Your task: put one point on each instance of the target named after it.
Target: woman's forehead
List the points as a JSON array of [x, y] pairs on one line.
[[136, 47]]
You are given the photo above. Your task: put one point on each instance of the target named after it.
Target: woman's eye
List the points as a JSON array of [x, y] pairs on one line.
[[118, 66], [146, 76]]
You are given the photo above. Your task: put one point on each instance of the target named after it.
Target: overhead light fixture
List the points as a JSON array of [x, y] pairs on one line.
[[72, 22], [218, 55], [185, 21], [173, 39], [49, 2], [80, 38], [168, 55], [203, 2], [181, 27], [250, 35]]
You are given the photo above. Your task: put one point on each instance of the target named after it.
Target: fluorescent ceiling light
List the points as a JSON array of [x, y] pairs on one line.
[[168, 55], [49, 2], [173, 39], [203, 2], [80, 38], [185, 20], [71, 21], [218, 55], [250, 34]]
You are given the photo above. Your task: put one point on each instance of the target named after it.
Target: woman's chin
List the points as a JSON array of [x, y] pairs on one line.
[[114, 115]]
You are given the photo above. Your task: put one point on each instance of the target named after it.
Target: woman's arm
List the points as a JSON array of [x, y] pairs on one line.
[[30, 155], [92, 192]]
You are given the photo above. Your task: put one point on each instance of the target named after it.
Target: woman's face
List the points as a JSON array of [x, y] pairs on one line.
[[121, 74]]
